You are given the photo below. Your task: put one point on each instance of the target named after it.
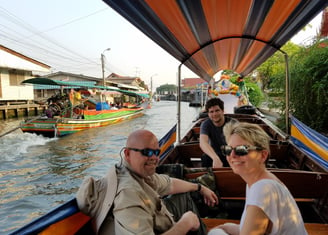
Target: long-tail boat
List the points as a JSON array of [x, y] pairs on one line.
[[208, 36], [62, 118]]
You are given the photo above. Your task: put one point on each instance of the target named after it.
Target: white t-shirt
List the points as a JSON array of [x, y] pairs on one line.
[[278, 204]]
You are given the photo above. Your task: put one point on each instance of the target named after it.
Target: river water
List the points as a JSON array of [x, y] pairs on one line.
[[38, 173]]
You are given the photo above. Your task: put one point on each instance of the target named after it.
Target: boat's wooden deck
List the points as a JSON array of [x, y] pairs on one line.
[[312, 228], [306, 187], [283, 153]]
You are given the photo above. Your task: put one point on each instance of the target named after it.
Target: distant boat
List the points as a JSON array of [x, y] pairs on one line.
[[61, 118]]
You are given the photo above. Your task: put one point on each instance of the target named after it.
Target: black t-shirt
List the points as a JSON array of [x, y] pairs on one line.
[[216, 137]]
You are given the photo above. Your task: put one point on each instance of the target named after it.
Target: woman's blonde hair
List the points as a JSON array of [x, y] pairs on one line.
[[250, 132]]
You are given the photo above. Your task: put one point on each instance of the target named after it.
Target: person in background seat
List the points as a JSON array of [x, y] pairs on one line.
[[211, 136]]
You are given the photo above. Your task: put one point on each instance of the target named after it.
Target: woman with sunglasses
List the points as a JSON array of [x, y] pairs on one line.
[[269, 207]]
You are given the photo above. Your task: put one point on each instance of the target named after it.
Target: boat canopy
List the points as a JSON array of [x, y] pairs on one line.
[[79, 84], [211, 35]]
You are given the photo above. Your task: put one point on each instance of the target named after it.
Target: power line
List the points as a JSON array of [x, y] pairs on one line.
[[75, 20], [52, 54]]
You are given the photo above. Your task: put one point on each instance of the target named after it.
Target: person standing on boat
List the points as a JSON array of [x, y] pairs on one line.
[[77, 100], [211, 135], [129, 199], [269, 208]]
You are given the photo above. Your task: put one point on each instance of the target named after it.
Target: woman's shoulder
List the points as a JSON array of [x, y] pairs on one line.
[[267, 183], [268, 187]]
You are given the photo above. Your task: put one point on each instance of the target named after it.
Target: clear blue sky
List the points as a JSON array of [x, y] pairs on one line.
[[70, 35]]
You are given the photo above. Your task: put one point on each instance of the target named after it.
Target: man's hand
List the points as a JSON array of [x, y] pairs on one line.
[[190, 219], [210, 197], [188, 222]]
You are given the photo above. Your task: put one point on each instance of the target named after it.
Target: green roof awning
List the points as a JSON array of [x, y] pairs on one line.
[[56, 84]]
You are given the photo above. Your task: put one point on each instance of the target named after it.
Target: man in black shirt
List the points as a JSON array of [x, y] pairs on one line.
[[211, 134]]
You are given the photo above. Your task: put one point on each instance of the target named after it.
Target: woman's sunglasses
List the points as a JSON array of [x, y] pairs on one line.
[[147, 152], [240, 150]]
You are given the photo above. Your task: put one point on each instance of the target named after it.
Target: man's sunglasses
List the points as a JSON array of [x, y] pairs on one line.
[[240, 150], [147, 152]]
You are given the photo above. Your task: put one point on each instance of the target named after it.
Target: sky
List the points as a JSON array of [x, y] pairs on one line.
[[71, 35]]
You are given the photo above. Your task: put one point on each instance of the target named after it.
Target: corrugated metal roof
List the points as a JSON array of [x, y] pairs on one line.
[[75, 84]]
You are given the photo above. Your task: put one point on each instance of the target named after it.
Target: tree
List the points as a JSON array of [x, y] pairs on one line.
[[272, 71], [255, 94], [167, 89], [309, 86], [272, 76], [308, 83]]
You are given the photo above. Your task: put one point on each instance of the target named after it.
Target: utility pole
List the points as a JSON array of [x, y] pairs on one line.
[[151, 84], [102, 58]]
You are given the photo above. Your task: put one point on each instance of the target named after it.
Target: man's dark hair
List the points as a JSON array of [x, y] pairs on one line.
[[213, 102]]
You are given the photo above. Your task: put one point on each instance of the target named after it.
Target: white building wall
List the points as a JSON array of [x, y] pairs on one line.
[[20, 92]]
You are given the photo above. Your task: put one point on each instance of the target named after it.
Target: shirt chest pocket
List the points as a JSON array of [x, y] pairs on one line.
[[162, 217]]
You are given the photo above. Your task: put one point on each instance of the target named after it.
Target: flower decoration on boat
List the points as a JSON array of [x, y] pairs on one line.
[[225, 86]]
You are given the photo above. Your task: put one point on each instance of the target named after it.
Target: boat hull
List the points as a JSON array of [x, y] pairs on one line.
[[57, 127]]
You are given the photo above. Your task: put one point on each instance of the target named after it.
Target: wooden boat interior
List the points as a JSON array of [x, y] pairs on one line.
[[306, 179], [284, 154]]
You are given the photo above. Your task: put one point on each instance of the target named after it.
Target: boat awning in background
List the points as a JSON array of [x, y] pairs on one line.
[[75, 84], [56, 84], [211, 35]]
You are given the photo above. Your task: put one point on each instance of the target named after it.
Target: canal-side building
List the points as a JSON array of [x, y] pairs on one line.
[[15, 68], [193, 91], [43, 92], [15, 98], [167, 92], [114, 80], [126, 82]]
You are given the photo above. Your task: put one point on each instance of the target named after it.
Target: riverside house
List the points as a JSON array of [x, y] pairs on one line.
[[15, 68]]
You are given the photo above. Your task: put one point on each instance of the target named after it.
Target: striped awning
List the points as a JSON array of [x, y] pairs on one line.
[[211, 35]]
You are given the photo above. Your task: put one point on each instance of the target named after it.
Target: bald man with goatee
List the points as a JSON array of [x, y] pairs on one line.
[[128, 200]]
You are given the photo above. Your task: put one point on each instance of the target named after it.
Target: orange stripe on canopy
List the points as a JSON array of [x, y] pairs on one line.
[[276, 17], [169, 12]]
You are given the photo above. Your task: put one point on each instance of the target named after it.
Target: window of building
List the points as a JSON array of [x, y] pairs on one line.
[[16, 77]]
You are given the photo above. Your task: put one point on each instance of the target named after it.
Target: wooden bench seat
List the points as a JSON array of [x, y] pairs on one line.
[[305, 186], [311, 228], [278, 149]]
